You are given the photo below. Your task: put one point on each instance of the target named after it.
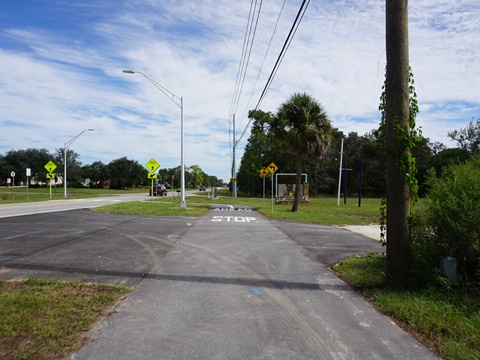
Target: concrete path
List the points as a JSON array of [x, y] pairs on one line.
[[235, 285]]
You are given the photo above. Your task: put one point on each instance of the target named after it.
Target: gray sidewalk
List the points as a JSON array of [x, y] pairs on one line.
[[235, 286]]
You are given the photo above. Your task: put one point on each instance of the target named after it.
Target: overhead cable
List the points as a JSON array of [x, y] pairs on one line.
[[288, 40]]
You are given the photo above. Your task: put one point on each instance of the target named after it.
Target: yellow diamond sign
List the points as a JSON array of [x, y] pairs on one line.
[[264, 171], [152, 165], [272, 168], [50, 166]]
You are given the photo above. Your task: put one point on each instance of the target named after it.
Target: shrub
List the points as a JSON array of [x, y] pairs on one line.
[[453, 215]]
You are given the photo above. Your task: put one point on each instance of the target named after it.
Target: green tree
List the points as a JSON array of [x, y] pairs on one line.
[[468, 137], [125, 173], [74, 166], [257, 154], [197, 175], [97, 172], [302, 124], [34, 159]]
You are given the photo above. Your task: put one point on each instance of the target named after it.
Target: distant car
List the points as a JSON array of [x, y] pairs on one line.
[[202, 188], [158, 191]]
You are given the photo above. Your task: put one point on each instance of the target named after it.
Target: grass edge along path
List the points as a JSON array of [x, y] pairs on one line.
[[322, 210], [50, 319], [445, 319]]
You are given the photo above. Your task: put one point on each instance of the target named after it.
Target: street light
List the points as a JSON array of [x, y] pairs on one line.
[[175, 99], [65, 147]]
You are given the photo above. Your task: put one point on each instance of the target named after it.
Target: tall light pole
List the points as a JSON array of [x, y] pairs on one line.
[[65, 147], [179, 102]]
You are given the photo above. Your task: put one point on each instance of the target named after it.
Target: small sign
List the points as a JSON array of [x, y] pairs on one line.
[[152, 165], [12, 174], [233, 180], [264, 171], [50, 175], [152, 175], [87, 181], [29, 172], [272, 168], [50, 167]]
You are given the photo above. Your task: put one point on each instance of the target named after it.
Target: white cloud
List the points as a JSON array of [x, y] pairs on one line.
[[61, 72]]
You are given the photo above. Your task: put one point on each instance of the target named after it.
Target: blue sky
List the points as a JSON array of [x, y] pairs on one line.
[[61, 72]]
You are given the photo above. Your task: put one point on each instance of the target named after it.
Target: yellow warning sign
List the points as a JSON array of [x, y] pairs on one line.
[[50, 167], [264, 171], [152, 165], [152, 175], [272, 168]]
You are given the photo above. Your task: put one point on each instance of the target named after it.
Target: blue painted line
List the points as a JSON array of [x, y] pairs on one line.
[[256, 291]]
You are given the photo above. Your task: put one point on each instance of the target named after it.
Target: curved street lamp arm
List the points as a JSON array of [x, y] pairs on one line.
[[163, 89], [68, 143]]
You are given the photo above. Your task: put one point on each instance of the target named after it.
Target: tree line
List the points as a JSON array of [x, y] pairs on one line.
[[264, 146], [121, 173]]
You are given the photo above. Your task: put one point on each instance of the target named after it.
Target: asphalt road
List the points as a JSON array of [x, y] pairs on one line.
[[228, 285], [30, 208]]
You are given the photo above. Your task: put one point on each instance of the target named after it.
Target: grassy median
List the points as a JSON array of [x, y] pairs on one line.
[[46, 319], [321, 210]]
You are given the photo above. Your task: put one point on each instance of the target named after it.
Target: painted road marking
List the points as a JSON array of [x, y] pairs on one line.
[[238, 219], [232, 209], [256, 291]]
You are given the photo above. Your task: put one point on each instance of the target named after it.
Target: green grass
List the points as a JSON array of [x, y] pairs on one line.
[[158, 207], [322, 210], [43, 319], [446, 319]]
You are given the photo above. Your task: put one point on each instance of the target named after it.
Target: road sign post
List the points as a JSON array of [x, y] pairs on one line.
[[29, 173], [50, 167], [264, 173], [12, 174], [152, 165], [272, 168]]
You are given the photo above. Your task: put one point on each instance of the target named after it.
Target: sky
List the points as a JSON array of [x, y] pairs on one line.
[[61, 65]]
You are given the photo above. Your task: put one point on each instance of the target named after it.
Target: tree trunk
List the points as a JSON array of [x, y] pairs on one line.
[[298, 182], [397, 111]]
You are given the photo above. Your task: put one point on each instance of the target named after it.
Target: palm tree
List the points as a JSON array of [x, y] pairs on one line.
[[302, 124]]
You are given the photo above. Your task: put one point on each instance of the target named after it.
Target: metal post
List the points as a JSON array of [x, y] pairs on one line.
[[340, 173], [234, 165], [64, 172], [183, 204]]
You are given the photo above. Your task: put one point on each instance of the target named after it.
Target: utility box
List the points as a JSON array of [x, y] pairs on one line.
[[448, 267]]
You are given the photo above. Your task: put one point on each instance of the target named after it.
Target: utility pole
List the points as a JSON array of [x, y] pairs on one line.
[[397, 114], [234, 170]]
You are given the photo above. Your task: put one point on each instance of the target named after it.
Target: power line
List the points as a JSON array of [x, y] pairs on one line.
[[263, 62], [246, 52], [288, 40]]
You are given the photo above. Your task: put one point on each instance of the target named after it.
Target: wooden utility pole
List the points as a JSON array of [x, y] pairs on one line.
[[397, 112]]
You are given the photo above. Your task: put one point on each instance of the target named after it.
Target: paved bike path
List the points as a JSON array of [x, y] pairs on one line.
[[237, 287]]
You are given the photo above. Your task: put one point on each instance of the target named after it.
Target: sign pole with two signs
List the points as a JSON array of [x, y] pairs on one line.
[[50, 167], [152, 166], [264, 173], [272, 168]]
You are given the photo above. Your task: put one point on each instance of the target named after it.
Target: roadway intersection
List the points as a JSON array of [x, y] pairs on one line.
[[228, 285]]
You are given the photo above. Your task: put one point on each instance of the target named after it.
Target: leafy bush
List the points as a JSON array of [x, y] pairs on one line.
[[451, 223]]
